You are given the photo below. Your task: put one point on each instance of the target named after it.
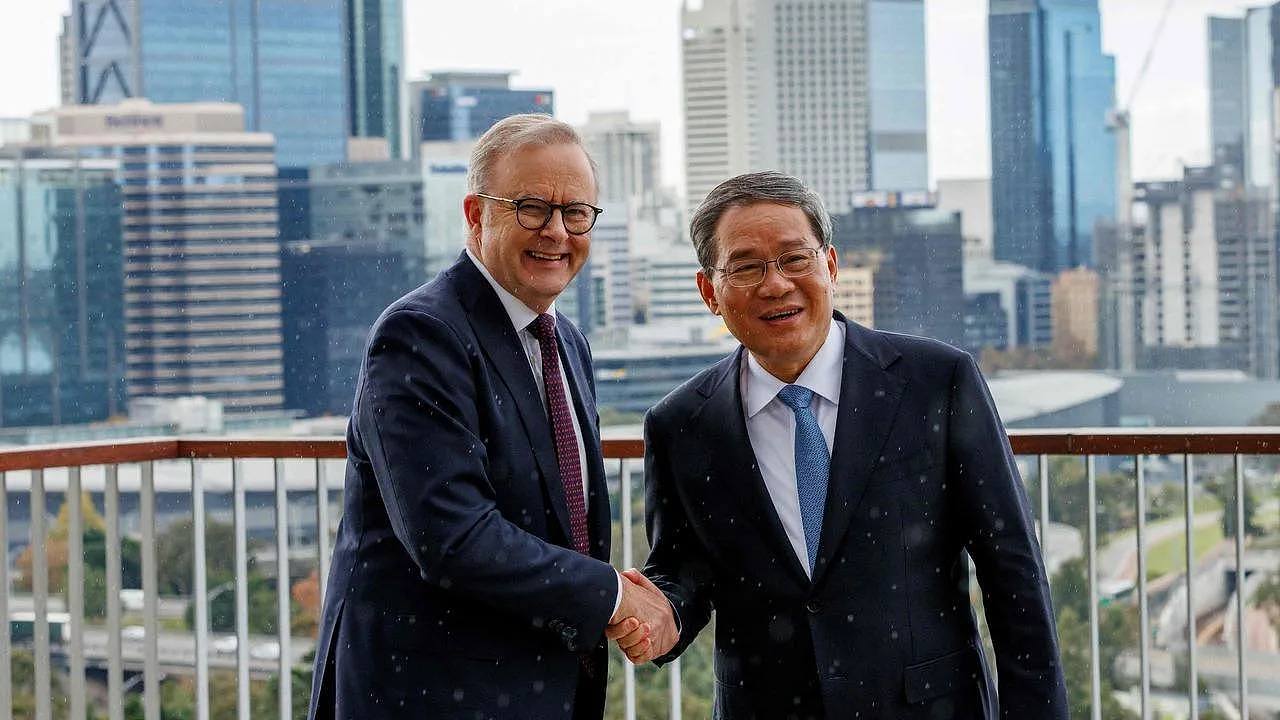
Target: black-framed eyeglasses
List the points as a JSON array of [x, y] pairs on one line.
[[792, 263], [534, 213]]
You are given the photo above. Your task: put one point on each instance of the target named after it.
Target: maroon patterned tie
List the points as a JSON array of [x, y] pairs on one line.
[[544, 328]]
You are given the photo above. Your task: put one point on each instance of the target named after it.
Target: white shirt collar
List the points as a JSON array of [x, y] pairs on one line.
[[521, 315], [822, 375]]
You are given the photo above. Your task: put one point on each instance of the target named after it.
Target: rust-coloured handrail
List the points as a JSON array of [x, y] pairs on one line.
[[1072, 441]]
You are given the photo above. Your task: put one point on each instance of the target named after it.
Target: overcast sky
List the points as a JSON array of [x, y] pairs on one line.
[[612, 54]]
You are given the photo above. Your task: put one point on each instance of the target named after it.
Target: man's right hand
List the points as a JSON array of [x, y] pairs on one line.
[[653, 632]]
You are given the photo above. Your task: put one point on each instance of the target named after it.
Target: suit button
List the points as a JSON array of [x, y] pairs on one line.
[[570, 637], [814, 607]]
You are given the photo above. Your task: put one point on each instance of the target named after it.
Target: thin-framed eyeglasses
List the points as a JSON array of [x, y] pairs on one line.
[[750, 272], [534, 213]]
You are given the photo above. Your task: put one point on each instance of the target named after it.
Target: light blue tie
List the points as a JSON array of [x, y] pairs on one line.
[[813, 464]]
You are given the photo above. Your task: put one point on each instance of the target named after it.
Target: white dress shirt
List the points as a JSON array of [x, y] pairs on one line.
[[521, 318], [771, 426]]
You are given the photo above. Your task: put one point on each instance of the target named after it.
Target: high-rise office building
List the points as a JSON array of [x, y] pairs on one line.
[[1076, 293], [375, 67], [1205, 275], [915, 254], [986, 324], [333, 291], [444, 185], [1023, 295], [611, 267], [202, 254], [372, 204], [667, 271], [855, 294], [459, 106], [67, 82], [62, 322], [1053, 157], [719, 109], [1227, 71], [628, 155], [284, 61], [832, 92], [1243, 73]]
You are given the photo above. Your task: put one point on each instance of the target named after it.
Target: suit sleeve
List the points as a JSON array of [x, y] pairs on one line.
[[1002, 543], [417, 419], [677, 562]]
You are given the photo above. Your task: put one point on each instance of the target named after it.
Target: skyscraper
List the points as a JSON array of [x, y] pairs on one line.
[[1052, 155], [915, 257], [628, 156], [333, 292], [1205, 267], [372, 204], [375, 67], [719, 113], [832, 92], [62, 325], [284, 61], [1227, 70], [201, 250], [1243, 73], [455, 106]]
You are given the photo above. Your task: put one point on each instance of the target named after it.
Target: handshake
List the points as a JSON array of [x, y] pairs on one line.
[[644, 625]]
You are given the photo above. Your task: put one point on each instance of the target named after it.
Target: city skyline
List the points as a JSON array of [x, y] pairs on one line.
[[646, 50]]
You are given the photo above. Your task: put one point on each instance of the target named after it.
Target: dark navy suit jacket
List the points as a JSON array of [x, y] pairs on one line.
[[453, 591], [921, 472]]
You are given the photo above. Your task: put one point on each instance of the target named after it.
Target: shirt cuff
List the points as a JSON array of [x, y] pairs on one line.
[[617, 603]]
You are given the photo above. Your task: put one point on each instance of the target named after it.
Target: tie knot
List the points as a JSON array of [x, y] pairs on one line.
[[543, 327], [796, 397]]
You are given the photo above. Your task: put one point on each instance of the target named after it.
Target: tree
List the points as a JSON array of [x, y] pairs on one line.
[[306, 600], [697, 684], [94, 541], [1069, 497], [175, 555], [1267, 597], [23, 669], [1223, 487], [1116, 629]]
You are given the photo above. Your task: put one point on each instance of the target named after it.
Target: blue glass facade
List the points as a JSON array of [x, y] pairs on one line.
[[1052, 154], [283, 60], [899, 113], [376, 68], [332, 294], [62, 333], [461, 112], [916, 256], [1227, 73]]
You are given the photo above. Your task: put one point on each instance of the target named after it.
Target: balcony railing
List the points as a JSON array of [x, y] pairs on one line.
[[290, 491]]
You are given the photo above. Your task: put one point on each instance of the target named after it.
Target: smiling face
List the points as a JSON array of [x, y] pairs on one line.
[[533, 265], [783, 321]]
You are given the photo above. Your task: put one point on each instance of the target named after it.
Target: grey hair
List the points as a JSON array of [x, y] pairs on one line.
[[512, 133], [749, 189]]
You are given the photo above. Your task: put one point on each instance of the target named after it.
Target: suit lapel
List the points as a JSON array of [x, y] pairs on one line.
[[869, 398], [598, 518], [498, 341], [722, 427]]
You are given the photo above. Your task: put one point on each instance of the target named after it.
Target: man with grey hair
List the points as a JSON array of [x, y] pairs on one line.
[[819, 489], [471, 574]]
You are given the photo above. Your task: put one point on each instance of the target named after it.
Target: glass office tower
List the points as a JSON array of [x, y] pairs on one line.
[[1053, 157]]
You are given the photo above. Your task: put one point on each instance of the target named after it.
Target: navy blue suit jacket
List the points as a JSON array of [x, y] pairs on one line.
[[921, 472], [453, 591]]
